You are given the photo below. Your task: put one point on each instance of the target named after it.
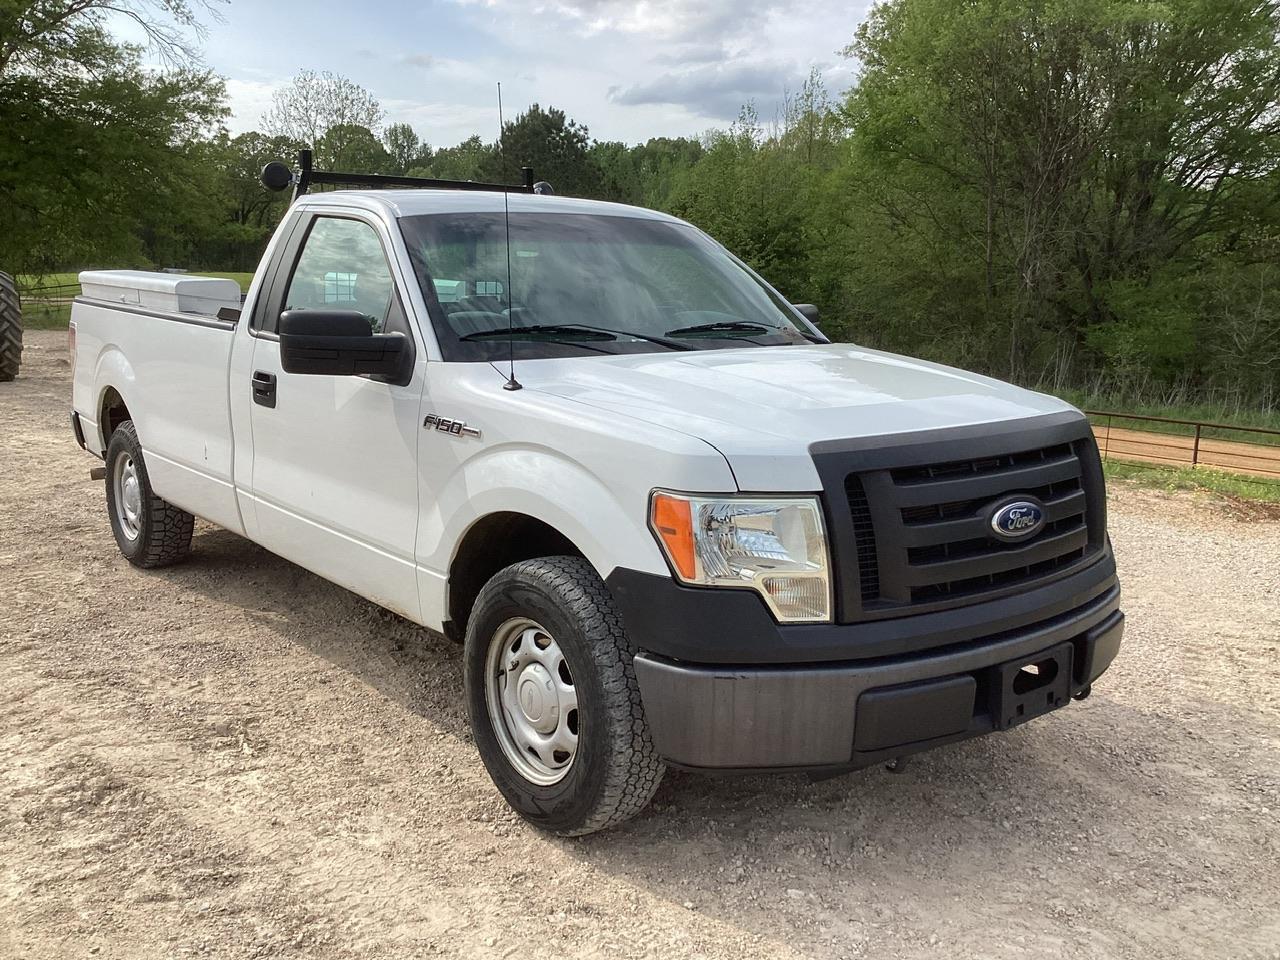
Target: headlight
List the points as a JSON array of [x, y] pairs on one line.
[[775, 546]]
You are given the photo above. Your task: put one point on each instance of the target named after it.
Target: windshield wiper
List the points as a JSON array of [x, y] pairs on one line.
[[741, 327], [591, 333], [722, 326], [661, 341], [497, 333]]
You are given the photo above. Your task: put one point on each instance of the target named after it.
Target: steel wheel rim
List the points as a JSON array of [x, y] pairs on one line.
[[532, 701], [128, 494]]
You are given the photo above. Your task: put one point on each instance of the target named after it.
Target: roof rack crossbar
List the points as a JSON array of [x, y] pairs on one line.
[[307, 177]]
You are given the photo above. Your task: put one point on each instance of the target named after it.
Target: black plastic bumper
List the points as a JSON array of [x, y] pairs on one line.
[[720, 626], [844, 717], [832, 716]]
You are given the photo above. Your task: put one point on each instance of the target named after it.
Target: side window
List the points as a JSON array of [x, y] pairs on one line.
[[342, 267]]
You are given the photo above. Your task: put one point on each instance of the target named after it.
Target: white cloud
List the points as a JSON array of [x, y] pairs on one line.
[[456, 121], [249, 100], [714, 90], [631, 70], [660, 19], [685, 54], [627, 70]]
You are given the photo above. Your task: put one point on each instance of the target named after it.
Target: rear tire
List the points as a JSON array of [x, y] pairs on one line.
[[10, 328], [553, 699], [150, 532]]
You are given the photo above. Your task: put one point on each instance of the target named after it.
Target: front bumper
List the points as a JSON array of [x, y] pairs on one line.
[[845, 715]]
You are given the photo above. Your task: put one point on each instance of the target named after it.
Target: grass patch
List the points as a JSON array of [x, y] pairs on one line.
[[1229, 485], [41, 316], [241, 278], [65, 278]]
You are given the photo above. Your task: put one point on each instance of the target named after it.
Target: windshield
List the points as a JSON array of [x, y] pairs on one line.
[[586, 284]]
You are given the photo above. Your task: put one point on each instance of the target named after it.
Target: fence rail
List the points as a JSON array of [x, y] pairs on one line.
[[1258, 460], [50, 292]]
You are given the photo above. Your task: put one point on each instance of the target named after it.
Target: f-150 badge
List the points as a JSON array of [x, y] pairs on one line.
[[457, 428]]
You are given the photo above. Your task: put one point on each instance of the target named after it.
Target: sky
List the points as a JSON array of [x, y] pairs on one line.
[[627, 70]]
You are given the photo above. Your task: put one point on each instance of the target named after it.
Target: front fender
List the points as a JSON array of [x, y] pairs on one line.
[[547, 486], [605, 517]]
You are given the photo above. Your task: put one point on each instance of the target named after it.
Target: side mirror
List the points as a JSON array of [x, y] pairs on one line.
[[808, 311], [338, 343]]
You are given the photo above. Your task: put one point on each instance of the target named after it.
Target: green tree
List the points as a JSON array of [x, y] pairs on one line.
[[644, 174], [755, 191], [404, 150], [553, 145], [238, 163], [99, 154], [1036, 187], [468, 160], [327, 106], [59, 38], [353, 149]]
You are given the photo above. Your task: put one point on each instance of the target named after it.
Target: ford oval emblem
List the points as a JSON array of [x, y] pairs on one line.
[[1018, 520]]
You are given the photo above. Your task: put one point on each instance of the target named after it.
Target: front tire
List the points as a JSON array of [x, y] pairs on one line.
[[553, 699], [150, 532]]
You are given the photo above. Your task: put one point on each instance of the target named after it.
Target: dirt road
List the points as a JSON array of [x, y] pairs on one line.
[[232, 758]]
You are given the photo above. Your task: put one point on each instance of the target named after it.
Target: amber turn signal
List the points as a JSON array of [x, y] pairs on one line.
[[671, 519]]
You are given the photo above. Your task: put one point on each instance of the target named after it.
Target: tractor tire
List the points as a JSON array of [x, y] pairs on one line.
[[10, 328]]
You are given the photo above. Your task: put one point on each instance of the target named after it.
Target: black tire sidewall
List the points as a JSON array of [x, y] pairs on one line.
[[124, 442], [563, 805]]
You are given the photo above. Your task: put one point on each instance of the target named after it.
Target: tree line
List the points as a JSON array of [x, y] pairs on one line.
[[1067, 193]]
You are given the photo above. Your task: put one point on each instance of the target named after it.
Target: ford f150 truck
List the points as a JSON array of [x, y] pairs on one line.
[[668, 521]]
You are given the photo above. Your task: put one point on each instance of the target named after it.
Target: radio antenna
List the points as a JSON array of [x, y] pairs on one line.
[[512, 383]]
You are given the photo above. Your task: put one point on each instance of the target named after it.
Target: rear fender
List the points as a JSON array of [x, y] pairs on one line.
[[112, 371]]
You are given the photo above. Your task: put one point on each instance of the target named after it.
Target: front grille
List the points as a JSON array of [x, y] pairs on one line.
[[865, 536], [921, 532]]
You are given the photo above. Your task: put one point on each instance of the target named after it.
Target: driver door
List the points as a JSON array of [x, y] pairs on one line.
[[334, 475]]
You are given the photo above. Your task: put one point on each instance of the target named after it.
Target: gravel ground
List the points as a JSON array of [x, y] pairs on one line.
[[233, 758]]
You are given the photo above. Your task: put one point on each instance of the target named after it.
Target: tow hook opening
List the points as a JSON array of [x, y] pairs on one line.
[[1033, 676]]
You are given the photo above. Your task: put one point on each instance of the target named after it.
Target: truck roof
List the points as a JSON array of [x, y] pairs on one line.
[[412, 203]]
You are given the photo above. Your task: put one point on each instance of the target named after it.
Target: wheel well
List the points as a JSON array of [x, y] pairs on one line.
[[114, 413], [492, 543]]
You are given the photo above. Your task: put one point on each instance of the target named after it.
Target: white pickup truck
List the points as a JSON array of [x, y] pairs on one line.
[[669, 522]]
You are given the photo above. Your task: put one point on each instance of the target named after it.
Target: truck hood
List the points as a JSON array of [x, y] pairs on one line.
[[762, 407]]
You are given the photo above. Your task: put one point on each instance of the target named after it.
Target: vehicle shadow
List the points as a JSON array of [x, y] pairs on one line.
[[1030, 829], [380, 648]]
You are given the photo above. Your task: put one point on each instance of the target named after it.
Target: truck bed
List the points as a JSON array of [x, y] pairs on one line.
[[170, 369]]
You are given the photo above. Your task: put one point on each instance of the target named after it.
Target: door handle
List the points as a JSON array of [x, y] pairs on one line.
[[264, 388]]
